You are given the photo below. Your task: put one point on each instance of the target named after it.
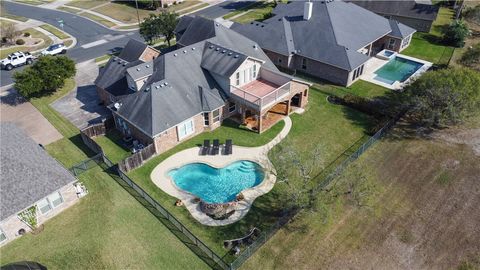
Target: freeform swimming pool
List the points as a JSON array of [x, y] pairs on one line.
[[397, 69], [214, 185]]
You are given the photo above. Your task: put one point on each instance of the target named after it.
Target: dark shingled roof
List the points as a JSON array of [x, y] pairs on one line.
[[403, 8], [112, 76], [28, 173], [400, 30], [133, 50], [181, 85], [332, 35]]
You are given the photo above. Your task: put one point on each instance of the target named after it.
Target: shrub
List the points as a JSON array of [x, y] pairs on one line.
[[26, 34], [472, 14], [20, 41], [4, 39], [455, 33], [471, 57]]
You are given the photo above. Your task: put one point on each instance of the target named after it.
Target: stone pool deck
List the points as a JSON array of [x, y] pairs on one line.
[[160, 176]]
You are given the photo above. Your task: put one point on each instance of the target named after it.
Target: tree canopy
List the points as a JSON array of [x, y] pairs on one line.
[[456, 33], [45, 76], [444, 97], [156, 26]]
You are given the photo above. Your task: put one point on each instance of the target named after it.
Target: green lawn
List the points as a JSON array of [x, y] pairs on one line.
[[34, 33], [86, 4], [4, 14], [192, 9], [122, 12], [107, 229], [100, 20], [334, 126], [103, 58], [243, 9], [55, 31], [30, 2], [258, 13], [183, 5], [111, 144], [428, 46], [67, 9]]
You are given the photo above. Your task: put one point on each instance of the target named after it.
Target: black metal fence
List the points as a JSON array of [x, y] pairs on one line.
[[207, 254]]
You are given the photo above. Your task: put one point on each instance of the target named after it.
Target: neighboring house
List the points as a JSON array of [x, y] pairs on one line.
[[114, 86], [30, 177], [331, 40], [419, 15], [218, 74]]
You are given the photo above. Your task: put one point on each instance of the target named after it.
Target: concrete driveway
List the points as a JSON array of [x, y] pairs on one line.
[[14, 108], [82, 105]]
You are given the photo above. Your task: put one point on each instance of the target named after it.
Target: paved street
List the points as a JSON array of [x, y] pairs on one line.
[[222, 9]]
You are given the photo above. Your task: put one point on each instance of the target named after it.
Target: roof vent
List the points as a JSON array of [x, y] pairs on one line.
[[255, 46], [211, 46], [175, 54], [230, 53], [307, 10], [166, 83], [147, 66], [157, 87], [236, 56], [184, 51], [217, 49], [124, 63], [262, 26], [147, 89], [117, 105], [217, 24], [114, 59], [224, 51], [193, 48], [138, 69]]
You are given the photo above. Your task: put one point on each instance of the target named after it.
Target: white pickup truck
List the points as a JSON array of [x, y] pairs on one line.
[[16, 59]]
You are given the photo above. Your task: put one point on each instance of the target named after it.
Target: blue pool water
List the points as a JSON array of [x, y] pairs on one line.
[[397, 69], [214, 185]]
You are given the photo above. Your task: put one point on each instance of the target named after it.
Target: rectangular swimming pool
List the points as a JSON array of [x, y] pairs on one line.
[[397, 69]]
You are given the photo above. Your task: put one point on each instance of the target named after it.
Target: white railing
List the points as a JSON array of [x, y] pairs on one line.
[[265, 101]]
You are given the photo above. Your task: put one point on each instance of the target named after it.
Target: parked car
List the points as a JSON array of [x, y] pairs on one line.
[[16, 59], [55, 49]]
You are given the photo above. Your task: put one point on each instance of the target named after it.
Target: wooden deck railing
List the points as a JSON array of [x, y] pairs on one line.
[[261, 102]]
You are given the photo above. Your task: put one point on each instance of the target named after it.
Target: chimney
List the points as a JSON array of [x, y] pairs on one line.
[[307, 10]]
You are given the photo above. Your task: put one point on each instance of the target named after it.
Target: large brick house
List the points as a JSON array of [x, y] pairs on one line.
[[331, 40], [30, 178], [174, 96]]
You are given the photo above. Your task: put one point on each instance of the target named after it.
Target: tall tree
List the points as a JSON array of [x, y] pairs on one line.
[[149, 28], [456, 33], [167, 21]]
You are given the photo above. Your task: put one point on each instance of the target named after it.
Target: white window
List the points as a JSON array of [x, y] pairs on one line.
[[391, 43], [55, 199], [216, 115], [44, 206], [3, 237], [206, 121], [254, 71], [52, 201], [186, 128], [237, 78], [304, 63], [406, 41], [231, 107], [245, 74]]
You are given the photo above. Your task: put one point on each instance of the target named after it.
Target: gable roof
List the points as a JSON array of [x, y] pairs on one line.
[[112, 76], [220, 60], [333, 35], [28, 173], [400, 30], [133, 50], [403, 8]]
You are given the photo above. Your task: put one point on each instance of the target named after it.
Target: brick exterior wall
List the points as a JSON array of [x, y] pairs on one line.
[[298, 87], [104, 96], [12, 224]]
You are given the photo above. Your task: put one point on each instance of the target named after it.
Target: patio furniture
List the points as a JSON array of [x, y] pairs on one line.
[[228, 147], [215, 148], [205, 148]]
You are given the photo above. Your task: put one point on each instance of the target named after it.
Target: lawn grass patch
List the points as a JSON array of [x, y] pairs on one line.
[[242, 10], [107, 229], [112, 146], [335, 126], [3, 13], [30, 2], [400, 215], [35, 34], [86, 4], [99, 20], [70, 10], [260, 12], [123, 12], [192, 9], [429, 46], [55, 31], [183, 5], [103, 58]]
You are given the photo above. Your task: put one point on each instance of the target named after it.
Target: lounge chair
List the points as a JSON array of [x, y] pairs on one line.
[[216, 146], [228, 147], [205, 148]]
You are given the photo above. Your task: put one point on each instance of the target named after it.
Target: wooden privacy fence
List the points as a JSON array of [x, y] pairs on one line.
[[136, 160]]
